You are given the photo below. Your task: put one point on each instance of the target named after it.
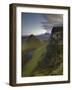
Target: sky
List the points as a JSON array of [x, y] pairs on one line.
[[35, 23]]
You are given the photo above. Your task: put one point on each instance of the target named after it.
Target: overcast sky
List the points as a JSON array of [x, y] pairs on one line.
[[34, 23]]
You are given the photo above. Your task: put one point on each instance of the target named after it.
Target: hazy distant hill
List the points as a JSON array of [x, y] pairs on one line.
[[40, 37], [32, 39], [43, 36]]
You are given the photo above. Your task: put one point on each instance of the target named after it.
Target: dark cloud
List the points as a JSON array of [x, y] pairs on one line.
[[54, 18]]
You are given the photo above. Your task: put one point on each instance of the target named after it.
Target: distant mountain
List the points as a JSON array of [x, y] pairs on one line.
[[31, 42], [40, 37], [32, 39], [43, 36]]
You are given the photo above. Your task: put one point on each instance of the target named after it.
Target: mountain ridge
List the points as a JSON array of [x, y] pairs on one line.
[[44, 36]]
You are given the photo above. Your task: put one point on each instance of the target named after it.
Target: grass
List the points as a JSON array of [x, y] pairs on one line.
[[40, 49], [37, 57]]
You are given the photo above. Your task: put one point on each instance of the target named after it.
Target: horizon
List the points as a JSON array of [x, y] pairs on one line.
[[37, 24], [37, 34]]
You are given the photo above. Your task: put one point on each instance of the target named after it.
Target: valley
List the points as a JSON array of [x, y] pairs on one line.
[[43, 55]]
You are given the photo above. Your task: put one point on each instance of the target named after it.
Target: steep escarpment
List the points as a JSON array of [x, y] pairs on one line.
[[52, 63]]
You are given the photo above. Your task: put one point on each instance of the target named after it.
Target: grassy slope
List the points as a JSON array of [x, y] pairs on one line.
[[32, 44], [38, 54], [37, 57]]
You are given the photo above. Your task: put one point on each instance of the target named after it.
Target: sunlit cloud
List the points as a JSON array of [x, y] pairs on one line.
[[33, 23]]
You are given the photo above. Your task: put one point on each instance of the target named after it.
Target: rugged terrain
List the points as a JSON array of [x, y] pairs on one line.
[[42, 55]]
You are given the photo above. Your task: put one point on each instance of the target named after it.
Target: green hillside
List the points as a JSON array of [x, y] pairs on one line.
[[38, 55], [45, 57], [31, 43]]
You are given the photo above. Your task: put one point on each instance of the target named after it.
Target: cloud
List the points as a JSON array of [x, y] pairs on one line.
[[54, 19]]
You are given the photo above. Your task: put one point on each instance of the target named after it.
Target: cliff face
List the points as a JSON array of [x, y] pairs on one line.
[[55, 47], [53, 60], [57, 29], [57, 33]]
